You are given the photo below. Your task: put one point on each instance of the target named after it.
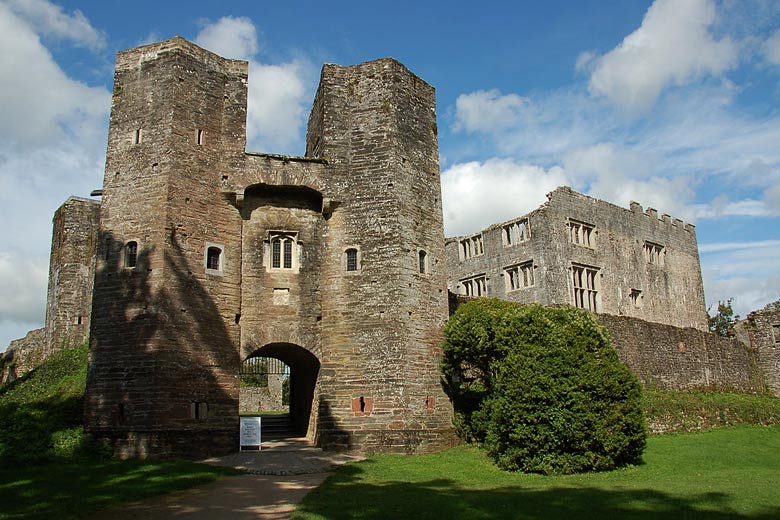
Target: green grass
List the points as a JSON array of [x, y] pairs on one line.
[[717, 474], [47, 472]]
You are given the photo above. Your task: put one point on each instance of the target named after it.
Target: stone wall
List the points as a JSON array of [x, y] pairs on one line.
[[761, 330], [647, 267], [262, 398], [676, 358], [22, 355]]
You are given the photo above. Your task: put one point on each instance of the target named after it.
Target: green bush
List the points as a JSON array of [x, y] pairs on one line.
[[541, 388]]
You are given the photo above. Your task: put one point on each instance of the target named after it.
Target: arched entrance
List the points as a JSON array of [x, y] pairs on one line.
[[289, 366]]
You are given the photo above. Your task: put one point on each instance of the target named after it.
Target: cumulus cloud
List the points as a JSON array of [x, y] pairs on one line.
[[487, 111], [279, 94], [51, 21], [37, 99], [478, 194], [230, 37], [674, 45]]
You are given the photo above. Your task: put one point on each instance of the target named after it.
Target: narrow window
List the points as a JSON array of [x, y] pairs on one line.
[[276, 254], [288, 253], [200, 136], [214, 258], [131, 254], [476, 286], [137, 136], [776, 333], [636, 297], [199, 410], [515, 232], [352, 259], [472, 246], [423, 261]]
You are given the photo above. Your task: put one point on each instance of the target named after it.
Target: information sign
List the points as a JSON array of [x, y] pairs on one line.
[[250, 433]]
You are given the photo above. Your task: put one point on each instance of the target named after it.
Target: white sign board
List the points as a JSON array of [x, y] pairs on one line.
[[250, 433]]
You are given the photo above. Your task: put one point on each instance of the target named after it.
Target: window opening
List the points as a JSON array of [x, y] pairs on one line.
[[654, 253], [471, 246], [283, 250], [423, 264], [199, 410], [515, 232], [137, 136], [352, 259], [776, 333], [213, 258], [581, 233], [200, 136], [636, 297], [519, 276], [476, 286], [585, 281], [131, 254]]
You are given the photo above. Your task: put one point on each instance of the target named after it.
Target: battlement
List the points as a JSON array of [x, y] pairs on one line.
[[133, 58]]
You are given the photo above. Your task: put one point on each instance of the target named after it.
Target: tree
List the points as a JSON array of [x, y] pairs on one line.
[[722, 323], [541, 388]]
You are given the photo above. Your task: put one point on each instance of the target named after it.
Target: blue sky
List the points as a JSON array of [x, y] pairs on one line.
[[672, 103]]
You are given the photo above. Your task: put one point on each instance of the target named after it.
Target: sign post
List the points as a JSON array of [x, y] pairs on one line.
[[250, 433]]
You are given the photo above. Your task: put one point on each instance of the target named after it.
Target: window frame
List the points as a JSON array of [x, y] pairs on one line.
[[590, 293], [130, 258], [220, 270], [283, 252], [581, 233], [512, 276]]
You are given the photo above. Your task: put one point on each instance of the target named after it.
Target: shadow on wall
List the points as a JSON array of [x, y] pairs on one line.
[[163, 374]]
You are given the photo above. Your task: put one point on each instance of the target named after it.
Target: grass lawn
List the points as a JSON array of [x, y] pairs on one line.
[[716, 474]]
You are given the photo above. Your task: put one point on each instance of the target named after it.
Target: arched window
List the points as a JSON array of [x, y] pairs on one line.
[[282, 251], [131, 254], [423, 261], [352, 259]]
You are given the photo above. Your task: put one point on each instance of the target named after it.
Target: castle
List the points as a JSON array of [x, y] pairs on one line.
[[204, 255]]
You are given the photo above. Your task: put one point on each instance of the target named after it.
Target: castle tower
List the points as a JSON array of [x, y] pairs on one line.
[[332, 263], [71, 273], [164, 339], [375, 124]]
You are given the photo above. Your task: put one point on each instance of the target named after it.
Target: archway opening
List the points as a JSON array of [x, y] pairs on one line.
[[278, 383]]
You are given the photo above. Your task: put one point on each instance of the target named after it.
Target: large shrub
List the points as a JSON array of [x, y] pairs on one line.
[[541, 388]]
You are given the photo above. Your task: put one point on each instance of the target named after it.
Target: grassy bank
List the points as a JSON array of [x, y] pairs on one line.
[[728, 473], [45, 469], [676, 411]]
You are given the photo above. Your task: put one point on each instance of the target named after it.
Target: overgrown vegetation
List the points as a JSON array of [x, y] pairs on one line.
[[541, 389], [689, 410], [45, 469], [727, 473]]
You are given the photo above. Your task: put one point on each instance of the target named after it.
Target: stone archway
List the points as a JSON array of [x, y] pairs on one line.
[[304, 368]]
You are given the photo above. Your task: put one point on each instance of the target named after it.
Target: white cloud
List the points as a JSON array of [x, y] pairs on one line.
[[52, 144], [279, 94], [744, 271], [230, 37], [23, 286], [51, 21], [673, 46], [476, 195], [487, 111], [37, 100], [771, 48]]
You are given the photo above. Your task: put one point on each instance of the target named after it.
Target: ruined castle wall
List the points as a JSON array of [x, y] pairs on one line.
[[71, 273], [674, 358], [22, 355], [646, 267], [761, 332], [375, 124]]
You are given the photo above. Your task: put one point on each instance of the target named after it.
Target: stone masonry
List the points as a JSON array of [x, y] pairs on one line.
[[333, 262], [577, 250]]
